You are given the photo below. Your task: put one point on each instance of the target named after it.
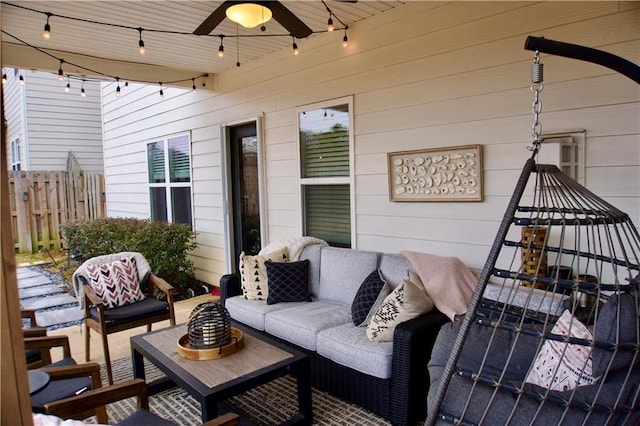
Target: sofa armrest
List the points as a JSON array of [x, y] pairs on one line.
[[413, 342], [229, 287]]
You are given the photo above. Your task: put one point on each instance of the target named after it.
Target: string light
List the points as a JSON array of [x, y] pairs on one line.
[[345, 39], [330, 26], [295, 47], [47, 28], [221, 48], [117, 87], [83, 92], [60, 72], [126, 85], [21, 80], [4, 78], [141, 48], [68, 86], [193, 85], [161, 91]]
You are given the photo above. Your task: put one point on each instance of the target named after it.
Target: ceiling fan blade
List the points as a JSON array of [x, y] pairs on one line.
[[214, 19], [287, 19]]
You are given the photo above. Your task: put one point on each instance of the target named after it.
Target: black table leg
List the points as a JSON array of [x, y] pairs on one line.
[[138, 364], [209, 409], [303, 378]]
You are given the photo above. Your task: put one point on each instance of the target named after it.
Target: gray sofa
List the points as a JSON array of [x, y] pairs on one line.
[[495, 398], [388, 378]]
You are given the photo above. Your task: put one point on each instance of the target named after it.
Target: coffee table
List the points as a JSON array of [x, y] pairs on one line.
[[210, 382]]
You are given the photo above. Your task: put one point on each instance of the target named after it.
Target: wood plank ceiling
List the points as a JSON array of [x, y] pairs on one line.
[[23, 22]]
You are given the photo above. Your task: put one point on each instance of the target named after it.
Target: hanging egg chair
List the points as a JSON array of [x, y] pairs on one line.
[[552, 332]]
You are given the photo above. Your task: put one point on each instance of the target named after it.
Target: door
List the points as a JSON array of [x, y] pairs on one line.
[[244, 172]]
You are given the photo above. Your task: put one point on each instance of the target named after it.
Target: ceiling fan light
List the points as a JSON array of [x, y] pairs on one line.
[[249, 15]]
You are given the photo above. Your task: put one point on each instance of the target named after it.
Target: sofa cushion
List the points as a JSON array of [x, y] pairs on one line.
[[342, 271], [404, 303], [253, 275], [393, 268], [301, 324], [288, 281], [312, 254], [366, 297], [253, 312], [348, 345]]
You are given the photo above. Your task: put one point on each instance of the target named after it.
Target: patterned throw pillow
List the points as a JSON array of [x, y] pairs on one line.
[[116, 283], [562, 366], [288, 281], [253, 275], [407, 301], [366, 297]]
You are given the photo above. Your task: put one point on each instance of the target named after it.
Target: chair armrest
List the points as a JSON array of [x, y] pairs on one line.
[[413, 342], [228, 419], [229, 287], [91, 296], [29, 314], [95, 398], [160, 284], [34, 332], [48, 342], [72, 371]]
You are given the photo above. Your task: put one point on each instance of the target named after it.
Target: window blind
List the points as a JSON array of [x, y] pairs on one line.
[[328, 213], [179, 165], [155, 162]]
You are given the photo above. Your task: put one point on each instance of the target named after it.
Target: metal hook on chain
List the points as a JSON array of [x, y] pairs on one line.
[[537, 86]]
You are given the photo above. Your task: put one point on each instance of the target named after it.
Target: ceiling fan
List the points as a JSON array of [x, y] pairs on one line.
[[280, 13]]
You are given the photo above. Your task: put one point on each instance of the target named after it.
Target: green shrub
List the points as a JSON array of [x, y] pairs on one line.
[[164, 245]]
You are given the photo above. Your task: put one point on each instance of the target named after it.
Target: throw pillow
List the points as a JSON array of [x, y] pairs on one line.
[[116, 283], [366, 297], [253, 275], [562, 366], [288, 282], [407, 301]]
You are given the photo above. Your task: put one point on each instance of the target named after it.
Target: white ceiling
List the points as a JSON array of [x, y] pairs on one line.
[[112, 49]]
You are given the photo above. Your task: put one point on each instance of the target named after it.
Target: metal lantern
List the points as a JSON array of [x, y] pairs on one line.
[[209, 326]]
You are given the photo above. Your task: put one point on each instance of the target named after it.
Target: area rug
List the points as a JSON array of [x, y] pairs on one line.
[[270, 404]]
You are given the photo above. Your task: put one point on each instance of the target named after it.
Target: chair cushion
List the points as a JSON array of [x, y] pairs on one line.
[[33, 355], [59, 389], [143, 417], [253, 312], [116, 283], [288, 281], [143, 309], [253, 275]]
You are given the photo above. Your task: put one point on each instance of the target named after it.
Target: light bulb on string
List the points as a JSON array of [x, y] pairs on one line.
[[118, 87], [60, 72], [4, 78], [330, 26], [141, 48], [295, 47], [21, 80], [161, 91], [67, 88], [126, 85], [47, 28], [221, 48], [193, 85], [345, 39], [83, 92]]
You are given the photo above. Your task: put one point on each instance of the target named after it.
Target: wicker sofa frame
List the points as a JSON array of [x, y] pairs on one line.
[[401, 399]]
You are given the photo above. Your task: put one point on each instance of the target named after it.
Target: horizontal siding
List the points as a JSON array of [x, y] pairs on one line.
[[425, 75], [60, 122]]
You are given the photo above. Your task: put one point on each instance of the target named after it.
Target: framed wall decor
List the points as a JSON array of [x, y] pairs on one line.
[[439, 174]]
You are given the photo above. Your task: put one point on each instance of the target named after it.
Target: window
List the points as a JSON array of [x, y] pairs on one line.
[[326, 177], [170, 193], [15, 160], [565, 150]]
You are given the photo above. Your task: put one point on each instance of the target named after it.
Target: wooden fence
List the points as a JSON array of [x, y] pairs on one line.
[[42, 201]]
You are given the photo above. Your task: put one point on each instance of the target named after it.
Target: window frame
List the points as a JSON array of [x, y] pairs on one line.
[[167, 184], [345, 180], [15, 160], [552, 152]]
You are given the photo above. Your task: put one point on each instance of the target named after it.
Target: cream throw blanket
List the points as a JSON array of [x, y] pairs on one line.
[[294, 245], [447, 280], [81, 272]]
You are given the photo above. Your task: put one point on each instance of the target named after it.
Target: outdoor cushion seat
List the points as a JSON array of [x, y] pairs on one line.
[[350, 346], [127, 313], [253, 314], [301, 324], [59, 389], [32, 355], [142, 417]]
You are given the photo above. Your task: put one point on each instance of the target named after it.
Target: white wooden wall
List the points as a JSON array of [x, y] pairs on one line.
[[59, 122], [14, 110], [425, 75]]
